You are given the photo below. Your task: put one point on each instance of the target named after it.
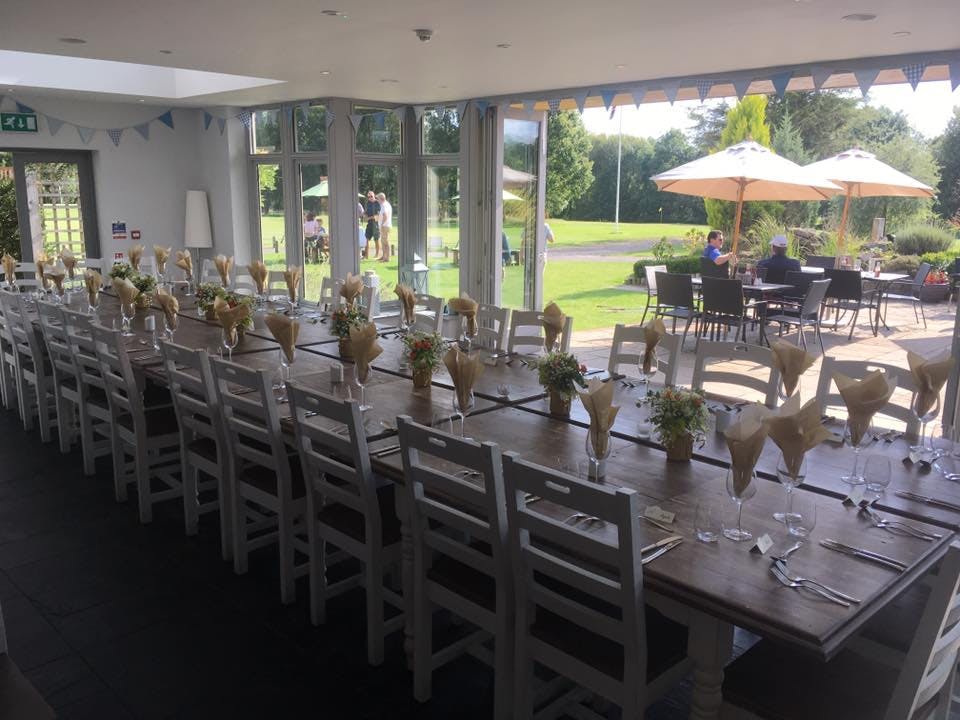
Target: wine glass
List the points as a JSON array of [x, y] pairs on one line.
[[858, 442], [230, 339], [466, 334], [802, 518], [925, 444], [285, 365], [360, 380], [790, 477], [646, 377], [294, 302], [188, 292], [596, 459], [93, 304], [462, 412], [170, 325], [127, 312], [739, 495], [877, 471]]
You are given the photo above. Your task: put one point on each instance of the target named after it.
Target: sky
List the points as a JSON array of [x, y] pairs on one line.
[[929, 109]]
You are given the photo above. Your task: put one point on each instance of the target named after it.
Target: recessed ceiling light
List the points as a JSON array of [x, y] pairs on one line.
[[389, 80], [141, 100], [619, 66], [324, 72], [859, 17], [443, 87], [902, 33], [73, 41], [330, 13], [166, 52], [503, 46]]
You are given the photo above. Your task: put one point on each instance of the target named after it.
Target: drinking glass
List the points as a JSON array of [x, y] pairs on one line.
[[170, 325], [127, 313], [93, 305], [442, 422], [925, 445], [285, 365], [466, 337], [802, 518], [707, 523], [294, 303], [645, 377], [188, 292], [855, 477], [596, 460], [877, 471], [790, 478], [230, 340], [462, 412], [740, 496], [361, 383]]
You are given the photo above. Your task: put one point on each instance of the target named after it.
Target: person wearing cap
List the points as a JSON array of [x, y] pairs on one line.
[[712, 250], [778, 264]]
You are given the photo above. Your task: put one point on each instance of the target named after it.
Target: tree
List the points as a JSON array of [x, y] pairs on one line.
[[669, 150], [709, 122], [788, 143], [569, 168], [9, 230], [441, 131], [946, 150], [821, 118]]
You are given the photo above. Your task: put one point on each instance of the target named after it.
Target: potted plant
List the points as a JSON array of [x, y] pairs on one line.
[[233, 300], [936, 288], [425, 354], [147, 285], [121, 271], [560, 373], [207, 293], [680, 416], [344, 318]]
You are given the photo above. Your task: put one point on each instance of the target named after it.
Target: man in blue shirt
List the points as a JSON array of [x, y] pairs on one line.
[[712, 251], [778, 264]]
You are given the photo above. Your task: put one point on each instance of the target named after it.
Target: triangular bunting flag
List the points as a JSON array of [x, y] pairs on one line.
[[865, 79], [607, 96], [581, 99], [21, 108], [244, 117], [670, 89], [528, 106], [914, 72], [703, 89], [288, 111], [304, 108], [86, 134], [418, 111], [144, 130], [554, 105], [207, 119], [638, 96], [400, 112], [461, 108], [741, 85], [481, 106], [780, 82], [167, 119], [53, 124], [331, 117], [222, 124], [820, 75], [115, 134], [355, 119], [954, 75]]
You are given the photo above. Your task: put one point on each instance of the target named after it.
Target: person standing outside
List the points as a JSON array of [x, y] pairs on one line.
[[371, 213], [311, 234], [386, 225], [712, 250]]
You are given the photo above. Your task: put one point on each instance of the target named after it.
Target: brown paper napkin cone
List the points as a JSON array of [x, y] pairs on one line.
[[57, 273], [170, 306], [466, 306], [184, 262], [863, 399], [408, 302], [136, 253], [929, 377], [69, 261], [161, 255], [9, 268], [598, 401], [652, 332], [126, 291], [464, 370], [285, 331], [230, 317], [553, 322], [795, 430], [258, 271], [292, 277], [745, 440], [223, 264], [366, 349], [42, 261], [792, 362], [351, 288], [93, 282]]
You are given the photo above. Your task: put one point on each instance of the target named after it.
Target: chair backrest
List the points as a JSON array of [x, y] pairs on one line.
[[123, 395], [97, 264], [650, 271], [722, 296], [897, 407], [844, 284], [83, 348], [26, 276], [570, 572], [921, 275], [801, 281], [821, 261], [816, 292], [526, 330], [193, 393], [335, 460], [764, 380], [674, 290], [367, 296], [633, 335], [54, 332], [20, 330], [428, 313], [275, 281], [493, 324], [449, 511], [329, 292], [243, 284], [928, 668], [708, 268]]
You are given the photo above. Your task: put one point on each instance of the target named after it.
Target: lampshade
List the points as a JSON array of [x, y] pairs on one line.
[[196, 229]]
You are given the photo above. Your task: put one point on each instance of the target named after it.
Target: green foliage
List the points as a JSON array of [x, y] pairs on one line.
[[694, 241], [424, 350], [146, 284], [906, 264], [441, 131], [947, 153], [569, 167], [821, 119], [755, 242], [662, 250], [677, 412], [346, 317], [788, 143], [940, 260], [560, 372], [380, 179], [688, 265], [311, 129], [708, 123], [9, 230], [121, 271], [378, 132], [923, 238]]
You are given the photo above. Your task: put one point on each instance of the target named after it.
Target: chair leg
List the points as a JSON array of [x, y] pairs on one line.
[[87, 441], [923, 315], [318, 572], [853, 324], [144, 496], [240, 548], [119, 468], [645, 309], [225, 501], [522, 677], [422, 646], [374, 580], [64, 423], [503, 653], [191, 503], [288, 586]]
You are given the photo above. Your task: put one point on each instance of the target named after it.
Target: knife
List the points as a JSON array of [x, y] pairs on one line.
[[927, 500], [887, 562], [383, 452], [660, 543], [660, 551]]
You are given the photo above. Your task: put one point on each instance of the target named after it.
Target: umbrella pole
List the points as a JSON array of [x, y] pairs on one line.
[[736, 222], [841, 231]]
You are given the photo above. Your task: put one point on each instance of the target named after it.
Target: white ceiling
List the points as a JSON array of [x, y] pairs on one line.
[[554, 43]]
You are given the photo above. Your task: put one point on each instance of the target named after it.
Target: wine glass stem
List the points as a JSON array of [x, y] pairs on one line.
[[923, 435], [363, 399], [740, 518], [856, 463], [789, 499]]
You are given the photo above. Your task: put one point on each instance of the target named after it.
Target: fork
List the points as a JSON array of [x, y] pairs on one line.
[[784, 580], [579, 517], [892, 526], [782, 567]]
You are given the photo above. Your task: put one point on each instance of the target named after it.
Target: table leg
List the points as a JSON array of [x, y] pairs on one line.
[[710, 645], [406, 572]]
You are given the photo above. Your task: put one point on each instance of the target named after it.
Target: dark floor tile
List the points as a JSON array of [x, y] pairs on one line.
[[67, 681], [32, 640]]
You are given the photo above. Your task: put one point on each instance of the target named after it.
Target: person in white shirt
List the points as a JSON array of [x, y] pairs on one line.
[[386, 225]]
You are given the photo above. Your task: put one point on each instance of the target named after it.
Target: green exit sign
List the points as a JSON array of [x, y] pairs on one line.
[[18, 122]]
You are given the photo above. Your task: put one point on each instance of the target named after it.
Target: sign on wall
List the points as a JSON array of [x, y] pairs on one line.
[[18, 122]]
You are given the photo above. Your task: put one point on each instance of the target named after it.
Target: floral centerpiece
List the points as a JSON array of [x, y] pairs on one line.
[[207, 293], [680, 416], [122, 271], [147, 285], [342, 319], [560, 373], [425, 353]]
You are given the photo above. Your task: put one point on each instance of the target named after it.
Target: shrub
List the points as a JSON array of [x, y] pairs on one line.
[[689, 265], [906, 264], [923, 238], [9, 230], [939, 260], [662, 250]]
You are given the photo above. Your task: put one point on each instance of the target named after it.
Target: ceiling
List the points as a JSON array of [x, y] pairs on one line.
[[553, 43]]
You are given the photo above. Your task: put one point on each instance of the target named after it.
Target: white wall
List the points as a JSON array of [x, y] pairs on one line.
[[144, 182]]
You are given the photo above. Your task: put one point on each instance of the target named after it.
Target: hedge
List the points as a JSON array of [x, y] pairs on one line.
[[684, 264], [921, 238]]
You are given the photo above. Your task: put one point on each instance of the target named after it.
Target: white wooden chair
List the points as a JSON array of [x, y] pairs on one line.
[[27, 277], [276, 284], [202, 444], [764, 378], [98, 264], [493, 324], [96, 426], [771, 682], [367, 296], [8, 386], [243, 284], [580, 607], [266, 478], [897, 407], [32, 376], [149, 434], [347, 509], [428, 314], [632, 335], [329, 293], [63, 370], [458, 523], [526, 331]]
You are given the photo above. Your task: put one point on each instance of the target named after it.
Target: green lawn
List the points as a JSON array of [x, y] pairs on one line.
[[583, 232]]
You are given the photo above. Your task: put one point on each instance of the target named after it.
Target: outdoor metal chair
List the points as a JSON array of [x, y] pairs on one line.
[[650, 273], [675, 301], [910, 292], [803, 314], [723, 306], [847, 294], [708, 268]]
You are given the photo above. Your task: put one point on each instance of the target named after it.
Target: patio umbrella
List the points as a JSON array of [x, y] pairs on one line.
[[860, 174], [743, 172], [516, 178], [507, 195], [321, 189]]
